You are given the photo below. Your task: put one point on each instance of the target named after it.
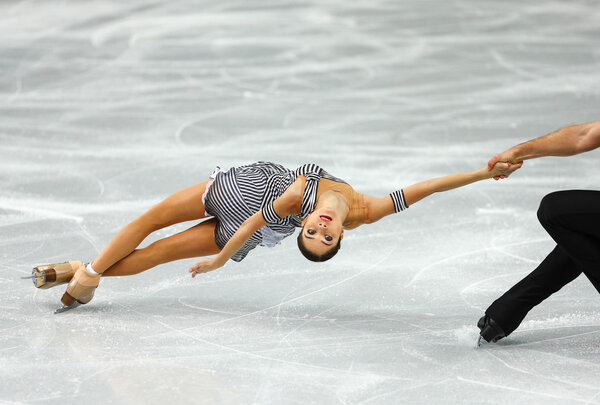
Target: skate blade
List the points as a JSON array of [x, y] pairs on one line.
[[65, 308], [481, 341], [28, 277]]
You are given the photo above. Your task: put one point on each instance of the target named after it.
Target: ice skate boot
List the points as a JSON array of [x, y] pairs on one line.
[[50, 275], [491, 332], [80, 290]]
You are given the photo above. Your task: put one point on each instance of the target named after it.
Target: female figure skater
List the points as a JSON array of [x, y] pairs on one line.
[[260, 203]]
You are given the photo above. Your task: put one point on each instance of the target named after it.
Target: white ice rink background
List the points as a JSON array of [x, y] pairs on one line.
[[108, 107]]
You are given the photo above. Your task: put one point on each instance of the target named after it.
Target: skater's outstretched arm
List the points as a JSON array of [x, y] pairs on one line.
[[287, 204], [564, 142], [381, 207]]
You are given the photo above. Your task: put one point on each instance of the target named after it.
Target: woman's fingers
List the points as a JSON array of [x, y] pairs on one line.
[[195, 269], [513, 167], [203, 266], [504, 169]]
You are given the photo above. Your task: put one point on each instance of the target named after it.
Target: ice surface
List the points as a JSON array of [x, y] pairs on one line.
[[108, 107]]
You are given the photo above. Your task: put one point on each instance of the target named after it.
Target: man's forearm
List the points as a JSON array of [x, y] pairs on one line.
[[564, 142]]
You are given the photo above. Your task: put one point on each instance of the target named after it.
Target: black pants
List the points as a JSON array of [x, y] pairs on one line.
[[572, 218]]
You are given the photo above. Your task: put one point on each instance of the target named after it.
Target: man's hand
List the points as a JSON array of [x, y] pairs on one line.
[[204, 266], [502, 170], [509, 156]]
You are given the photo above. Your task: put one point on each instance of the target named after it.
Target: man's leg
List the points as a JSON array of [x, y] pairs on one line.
[[572, 218], [551, 275]]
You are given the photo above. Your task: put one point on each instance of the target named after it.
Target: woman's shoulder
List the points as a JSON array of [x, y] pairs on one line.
[[308, 169]]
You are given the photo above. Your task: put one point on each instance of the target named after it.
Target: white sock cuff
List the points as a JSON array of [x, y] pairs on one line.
[[90, 270]]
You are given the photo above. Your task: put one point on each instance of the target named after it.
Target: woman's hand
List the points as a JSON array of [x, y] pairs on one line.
[[502, 170], [204, 266], [510, 156]]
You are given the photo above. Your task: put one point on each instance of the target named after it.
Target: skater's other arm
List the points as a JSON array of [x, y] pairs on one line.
[[239, 238], [285, 205], [381, 207], [564, 142]]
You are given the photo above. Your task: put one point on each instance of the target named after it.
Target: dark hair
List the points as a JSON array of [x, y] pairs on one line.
[[313, 257]]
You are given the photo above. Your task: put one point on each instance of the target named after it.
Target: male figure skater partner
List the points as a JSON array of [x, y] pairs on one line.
[[572, 218]]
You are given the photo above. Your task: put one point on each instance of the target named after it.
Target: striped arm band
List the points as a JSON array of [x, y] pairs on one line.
[[399, 201]]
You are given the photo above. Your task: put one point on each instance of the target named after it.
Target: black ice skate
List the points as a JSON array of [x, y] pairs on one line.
[[491, 332]]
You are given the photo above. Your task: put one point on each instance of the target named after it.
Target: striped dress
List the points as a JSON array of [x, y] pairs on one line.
[[236, 194]]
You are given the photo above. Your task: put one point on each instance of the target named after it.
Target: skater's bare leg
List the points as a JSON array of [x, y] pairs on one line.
[[194, 242], [184, 205]]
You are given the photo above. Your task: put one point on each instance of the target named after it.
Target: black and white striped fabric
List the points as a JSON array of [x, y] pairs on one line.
[[399, 201], [278, 184], [238, 193]]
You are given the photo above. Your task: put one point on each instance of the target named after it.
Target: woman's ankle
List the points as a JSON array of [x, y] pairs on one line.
[[90, 270]]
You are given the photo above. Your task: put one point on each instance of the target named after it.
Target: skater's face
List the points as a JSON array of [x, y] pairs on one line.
[[321, 232]]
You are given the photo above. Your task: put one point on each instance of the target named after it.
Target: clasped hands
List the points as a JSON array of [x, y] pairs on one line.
[[503, 165]]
